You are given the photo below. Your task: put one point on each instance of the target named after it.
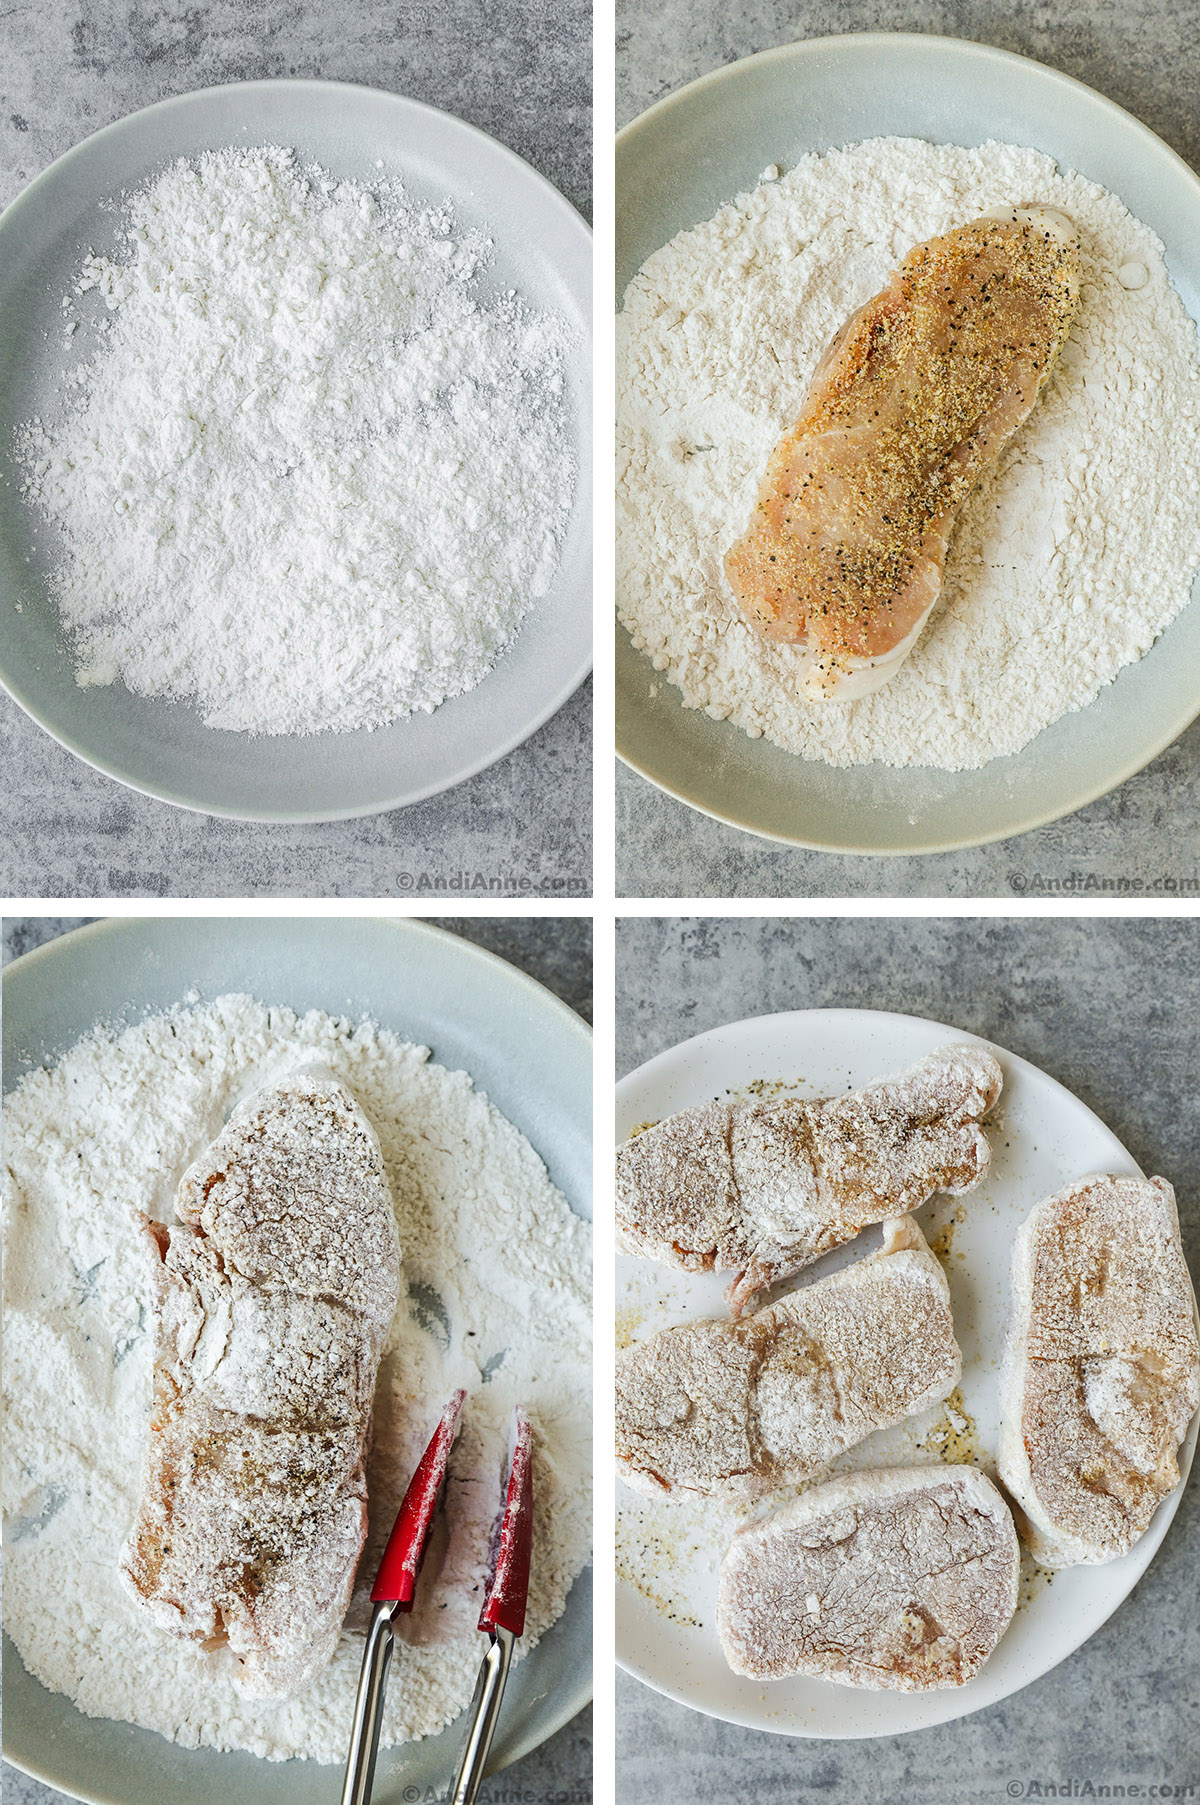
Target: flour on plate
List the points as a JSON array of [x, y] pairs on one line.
[[1077, 550], [495, 1297], [315, 471]]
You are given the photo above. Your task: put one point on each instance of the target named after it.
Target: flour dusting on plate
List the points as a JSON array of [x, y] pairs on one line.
[[313, 468], [495, 1296], [1080, 545]]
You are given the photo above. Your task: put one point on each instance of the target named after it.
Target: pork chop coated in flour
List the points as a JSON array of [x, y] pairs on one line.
[[901, 1580], [273, 1297], [1101, 1375], [737, 1409], [762, 1189]]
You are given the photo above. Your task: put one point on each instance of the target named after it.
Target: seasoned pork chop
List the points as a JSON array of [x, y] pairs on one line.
[[763, 1189], [1101, 1373], [738, 1409], [917, 395], [903, 1580], [273, 1297]]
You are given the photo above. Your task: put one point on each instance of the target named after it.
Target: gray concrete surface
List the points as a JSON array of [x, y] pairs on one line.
[[67, 831], [519, 69], [1143, 839], [1145, 54], [1112, 1009], [558, 953]]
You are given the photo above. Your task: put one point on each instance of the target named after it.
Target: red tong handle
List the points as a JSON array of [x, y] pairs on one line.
[[504, 1607], [396, 1580]]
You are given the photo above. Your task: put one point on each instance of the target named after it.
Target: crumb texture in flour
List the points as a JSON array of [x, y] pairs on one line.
[[1080, 545], [495, 1296], [311, 469]]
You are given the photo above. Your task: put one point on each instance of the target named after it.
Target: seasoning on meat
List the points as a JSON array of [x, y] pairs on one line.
[[1101, 1376], [917, 395], [762, 1189], [274, 1295], [737, 1409], [901, 1580]]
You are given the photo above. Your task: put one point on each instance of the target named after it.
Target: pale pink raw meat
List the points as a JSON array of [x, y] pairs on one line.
[[917, 395]]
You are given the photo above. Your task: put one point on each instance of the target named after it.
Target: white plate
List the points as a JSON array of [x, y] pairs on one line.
[[1044, 1137], [700, 148], [543, 250]]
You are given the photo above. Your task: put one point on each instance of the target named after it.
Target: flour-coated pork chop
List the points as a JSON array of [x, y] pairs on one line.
[[764, 1188], [737, 1409], [1101, 1374], [902, 1579], [273, 1296]]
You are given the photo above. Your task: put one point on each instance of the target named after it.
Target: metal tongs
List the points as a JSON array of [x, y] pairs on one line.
[[502, 1617]]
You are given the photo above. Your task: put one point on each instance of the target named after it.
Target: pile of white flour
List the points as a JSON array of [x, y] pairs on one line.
[[313, 472], [1081, 543], [495, 1296]]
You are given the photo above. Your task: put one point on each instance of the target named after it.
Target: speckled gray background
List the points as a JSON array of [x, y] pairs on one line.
[[1111, 1008], [1145, 54], [521, 70], [558, 953]]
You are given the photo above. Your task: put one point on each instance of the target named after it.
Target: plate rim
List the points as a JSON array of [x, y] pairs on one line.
[[417, 929], [1163, 1517], [573, 223], [417, 926], [1089, 790]]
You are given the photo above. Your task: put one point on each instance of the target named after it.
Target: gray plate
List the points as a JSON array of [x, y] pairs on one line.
[[162, 748], [533, 1057], [697, 150]]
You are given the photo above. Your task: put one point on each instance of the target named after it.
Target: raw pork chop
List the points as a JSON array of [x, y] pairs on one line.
[[738, 1409], [903, 1580], [1101, 1374], [764, 1189], [273, 1298], [917, 395]]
